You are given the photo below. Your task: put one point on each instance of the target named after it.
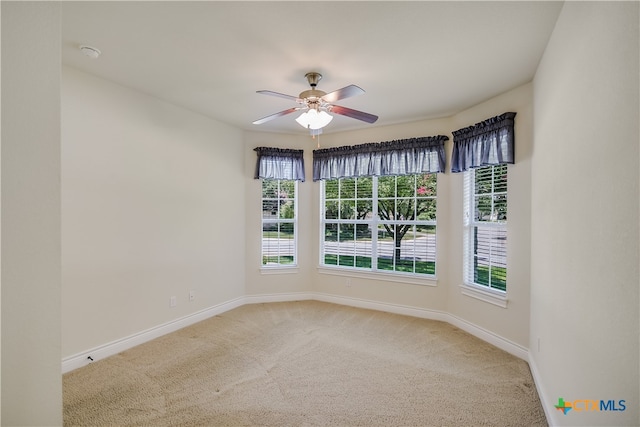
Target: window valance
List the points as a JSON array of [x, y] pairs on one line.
[[486, 143], [400, 157], [279, 163]]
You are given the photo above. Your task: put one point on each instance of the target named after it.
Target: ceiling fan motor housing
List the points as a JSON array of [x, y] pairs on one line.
[[312, 94], [312, 97]]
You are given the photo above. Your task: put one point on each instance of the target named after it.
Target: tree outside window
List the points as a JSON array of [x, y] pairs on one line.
[[381, 223]]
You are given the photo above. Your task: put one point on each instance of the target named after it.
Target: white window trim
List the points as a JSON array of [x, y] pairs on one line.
[[279, 269], [468, 288], [483, 293], [385, 275], [398, 277]]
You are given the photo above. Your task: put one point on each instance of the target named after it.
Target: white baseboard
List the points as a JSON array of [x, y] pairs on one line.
[[84, 358], [81, 359], [547, 404], [490, 337]]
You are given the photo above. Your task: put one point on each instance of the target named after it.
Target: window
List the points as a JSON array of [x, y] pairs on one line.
[[380, 224], [279, 222], [486, 227], [280, 169]]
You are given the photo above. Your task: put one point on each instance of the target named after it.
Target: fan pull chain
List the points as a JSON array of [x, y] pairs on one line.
[[313, 135]]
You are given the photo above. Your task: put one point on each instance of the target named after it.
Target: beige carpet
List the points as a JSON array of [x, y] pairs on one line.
[[306, 363]]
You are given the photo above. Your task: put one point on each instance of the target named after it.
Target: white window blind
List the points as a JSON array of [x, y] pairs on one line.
[[279, 222], [380, 224], [485, 244]]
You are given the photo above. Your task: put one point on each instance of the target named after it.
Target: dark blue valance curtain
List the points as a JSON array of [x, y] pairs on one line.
[[486, 143], [279, 163], [401, 157]]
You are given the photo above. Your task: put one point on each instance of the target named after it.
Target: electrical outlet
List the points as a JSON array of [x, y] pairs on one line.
[[192, 295], [173, 301]]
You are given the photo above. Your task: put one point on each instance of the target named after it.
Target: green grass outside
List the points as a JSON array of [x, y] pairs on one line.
[[283, 260], [407, 266], [497, 279]]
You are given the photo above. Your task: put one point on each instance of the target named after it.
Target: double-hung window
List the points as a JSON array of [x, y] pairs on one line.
[[485, 242], [482, 152], [385, 224], [280, 170], [279, 222], [378, 206]]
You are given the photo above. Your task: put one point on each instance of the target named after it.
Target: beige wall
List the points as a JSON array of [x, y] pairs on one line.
[[512, 322], [584, 251], [257, 281], [144, 216], [30, 371]]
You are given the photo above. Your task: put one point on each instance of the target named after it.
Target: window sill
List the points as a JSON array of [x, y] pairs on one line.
[[487, 295], [280, 270], [389, 277]]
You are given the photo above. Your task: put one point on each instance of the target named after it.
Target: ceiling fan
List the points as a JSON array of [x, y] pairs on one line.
[[316, 105]]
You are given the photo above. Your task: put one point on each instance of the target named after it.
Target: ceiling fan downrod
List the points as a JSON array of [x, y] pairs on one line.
[[313, 78]]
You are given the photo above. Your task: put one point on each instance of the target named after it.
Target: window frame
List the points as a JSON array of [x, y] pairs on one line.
[[470, 287], [374, 222], [271, 267]]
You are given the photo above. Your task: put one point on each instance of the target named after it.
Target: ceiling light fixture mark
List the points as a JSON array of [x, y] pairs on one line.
[[90, 51]]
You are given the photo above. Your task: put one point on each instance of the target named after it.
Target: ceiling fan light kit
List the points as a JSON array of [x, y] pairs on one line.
[[316, 105], [313, 119]]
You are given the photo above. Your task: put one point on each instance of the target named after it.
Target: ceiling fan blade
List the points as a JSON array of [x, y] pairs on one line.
[[345, 92], [276, 115], [354, 114], [278, 94]]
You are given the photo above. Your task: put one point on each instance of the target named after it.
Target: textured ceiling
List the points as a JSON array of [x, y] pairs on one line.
[[415, 60]]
